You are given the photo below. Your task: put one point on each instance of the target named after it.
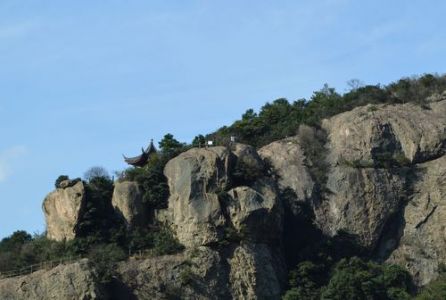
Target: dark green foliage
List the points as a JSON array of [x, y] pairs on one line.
[[356, 279], [20, 250], [306, 281], [99, 220], [60, 179], [169, 145], [282, 118], [10, 250], [434, 290], [139, 239], [151, 177], [199, 141], [166, 243], [15, 241], [103, 258], [151, 181]]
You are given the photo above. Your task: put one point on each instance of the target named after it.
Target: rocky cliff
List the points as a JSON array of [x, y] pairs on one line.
[[377, 173]]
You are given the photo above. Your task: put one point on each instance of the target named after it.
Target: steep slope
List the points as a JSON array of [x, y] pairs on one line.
[[375, 175]]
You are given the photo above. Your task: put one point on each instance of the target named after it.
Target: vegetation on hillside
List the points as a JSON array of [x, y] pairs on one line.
[[282, 118], [320, 267]]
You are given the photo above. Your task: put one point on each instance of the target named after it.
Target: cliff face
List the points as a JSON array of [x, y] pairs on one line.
[[377, 173], [383, 181], [72, 281], [63, 208]]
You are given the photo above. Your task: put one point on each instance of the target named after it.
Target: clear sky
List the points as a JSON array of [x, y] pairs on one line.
[[82, 82]]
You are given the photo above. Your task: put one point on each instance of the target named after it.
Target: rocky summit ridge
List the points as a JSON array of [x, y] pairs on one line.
[[377, 173]]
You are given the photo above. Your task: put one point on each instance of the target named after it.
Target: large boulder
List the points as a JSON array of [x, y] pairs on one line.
[[360, 201], [421, 240], [373, 132], [127, 201], [256, 212], [254, 273], [369, 150], [200, 207], [287, 158], [64, 282], [367, 158], [248, 157], [248, 271], [195, 178], [196, 274], [63, 209]]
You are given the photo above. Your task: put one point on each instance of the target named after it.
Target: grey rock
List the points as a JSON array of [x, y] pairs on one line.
[[422, 246], [127, 201], [256, 212], [248, 156], [195, 177], [360, 201], [254, 273], [288, 161], [62, 209], [64, 282], [412, 131]]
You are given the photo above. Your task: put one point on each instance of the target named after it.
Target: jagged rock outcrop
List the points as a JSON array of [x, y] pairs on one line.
[[195, 177], [254, 273], [64, 282], [372, 157], [248, 271], [248, 156], [199, 206], [200, 273], [63, 208], [205, 209], [421, 237], [127, 202], [288, 160], [255, 211], [368, 152], [371, 133]]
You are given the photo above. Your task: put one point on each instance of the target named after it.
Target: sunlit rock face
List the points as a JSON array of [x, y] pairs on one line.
[[421, 239], [63, 209], [384, 180]]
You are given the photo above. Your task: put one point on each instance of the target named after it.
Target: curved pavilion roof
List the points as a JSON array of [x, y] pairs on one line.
[[141, 160]]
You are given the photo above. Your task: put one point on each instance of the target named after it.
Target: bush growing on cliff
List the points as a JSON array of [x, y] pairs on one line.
[[282, 118], [351, 278], [356, 279], [434, 290], [103, 259], [60, 179], [99, 219], [151, 177]]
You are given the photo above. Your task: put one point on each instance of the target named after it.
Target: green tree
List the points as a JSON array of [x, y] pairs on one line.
[[353, 278], [434, 290], [199, 141], [305, 281], [60, 179], [104, 258], [169, 144]]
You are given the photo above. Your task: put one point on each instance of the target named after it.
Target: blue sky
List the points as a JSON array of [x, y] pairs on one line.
[[82, 82]]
